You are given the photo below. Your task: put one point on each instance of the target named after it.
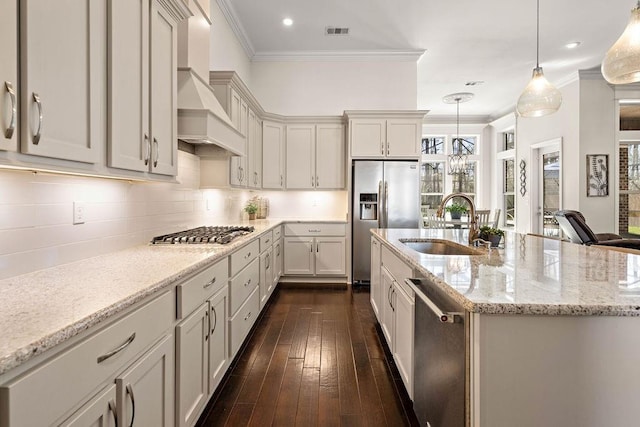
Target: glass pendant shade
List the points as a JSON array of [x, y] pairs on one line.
[[539, 98], [622, 62]]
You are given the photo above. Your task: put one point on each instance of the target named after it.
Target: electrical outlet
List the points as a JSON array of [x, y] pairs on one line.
[[78, 212], [209, 204]]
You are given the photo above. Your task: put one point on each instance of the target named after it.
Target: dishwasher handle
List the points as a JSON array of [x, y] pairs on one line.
[[445, 317]]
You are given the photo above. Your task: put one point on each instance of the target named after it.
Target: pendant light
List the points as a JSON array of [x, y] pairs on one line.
[[540, 97], [622, 62], [458, 162]]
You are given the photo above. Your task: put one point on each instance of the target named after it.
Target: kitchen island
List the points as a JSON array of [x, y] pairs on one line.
[[552, 327]]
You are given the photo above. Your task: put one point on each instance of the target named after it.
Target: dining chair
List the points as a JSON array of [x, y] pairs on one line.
[[432, 220], [496, 218], [483, 217]]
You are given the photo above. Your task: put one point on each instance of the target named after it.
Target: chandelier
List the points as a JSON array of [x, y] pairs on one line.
[[458, 159]]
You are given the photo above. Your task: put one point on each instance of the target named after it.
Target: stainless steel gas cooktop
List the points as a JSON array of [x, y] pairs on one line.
[[215, 234]]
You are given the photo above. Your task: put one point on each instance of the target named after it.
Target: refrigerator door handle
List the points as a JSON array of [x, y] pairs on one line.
[[386, 208], [380, 204]]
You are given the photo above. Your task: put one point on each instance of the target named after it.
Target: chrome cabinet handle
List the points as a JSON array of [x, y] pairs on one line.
[[278, 250], [155, 143], [215, 319], [38, 134], [317, 183], [247, 255], [281, 181], [133, 403], [247, 283], [8, 133], [209, 284], [206, 331], [268, 262], [241, 174], [255, 178], [112, 408], [312, 181], [147, 148], [247, 316], [382, 147], [117, 350], [388, 144]]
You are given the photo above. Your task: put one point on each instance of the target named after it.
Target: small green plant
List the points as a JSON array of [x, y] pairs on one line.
[[456, 208], [486, 232], [251, 208]]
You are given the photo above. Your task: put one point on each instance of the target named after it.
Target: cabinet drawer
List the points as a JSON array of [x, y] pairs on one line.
[[197, 289], [243, 320], [277, 232], [398, 269], [266, 240], [243, 256], [47, 392], [243, 284], [314, 229]]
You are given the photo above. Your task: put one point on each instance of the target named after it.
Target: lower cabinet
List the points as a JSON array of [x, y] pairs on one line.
[[404, 310], [375, 284], [202, 356], [100, 411], [278, 249], [315, 249], [241, 323], [388, 317], [266, 275]]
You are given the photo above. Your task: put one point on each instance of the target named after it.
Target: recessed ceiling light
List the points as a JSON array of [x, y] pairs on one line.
[[572, 45], [287, 22]]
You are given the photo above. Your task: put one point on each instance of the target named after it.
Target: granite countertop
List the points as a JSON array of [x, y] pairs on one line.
[[528, 275], [42, 309]]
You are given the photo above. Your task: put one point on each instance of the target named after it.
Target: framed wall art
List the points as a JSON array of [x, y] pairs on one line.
[[597, 175]]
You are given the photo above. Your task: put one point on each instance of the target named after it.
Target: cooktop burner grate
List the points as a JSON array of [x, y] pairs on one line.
[[214, 234]]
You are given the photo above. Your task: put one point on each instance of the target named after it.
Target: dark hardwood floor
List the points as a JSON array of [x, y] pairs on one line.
[[314, 358]]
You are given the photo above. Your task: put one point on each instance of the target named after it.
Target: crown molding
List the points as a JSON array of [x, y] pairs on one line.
[[345, 55], [177, 9], [230, 15]]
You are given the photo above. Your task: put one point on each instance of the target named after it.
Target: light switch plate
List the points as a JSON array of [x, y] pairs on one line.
[[78, 212]]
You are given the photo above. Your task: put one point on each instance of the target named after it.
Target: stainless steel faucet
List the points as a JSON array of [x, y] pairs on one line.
[[474, 232]]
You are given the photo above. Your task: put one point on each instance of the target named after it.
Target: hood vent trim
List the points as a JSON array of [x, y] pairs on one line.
[[201, 118]]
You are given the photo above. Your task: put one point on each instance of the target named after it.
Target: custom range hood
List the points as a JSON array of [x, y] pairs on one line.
[[201, 118]]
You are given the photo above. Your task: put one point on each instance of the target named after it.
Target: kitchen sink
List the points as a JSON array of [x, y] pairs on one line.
[[439, 247]]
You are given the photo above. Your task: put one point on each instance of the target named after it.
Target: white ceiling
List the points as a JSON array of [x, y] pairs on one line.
[[464, 40]]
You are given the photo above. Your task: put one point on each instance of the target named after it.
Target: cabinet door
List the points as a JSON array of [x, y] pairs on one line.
[[368, 138], [330, 256], [235, 112], [403, 333], [238, 171], [253, 152], [330, 156], [63, 62], [129, 144], [218, 338], [99, 411], [403, 138], [277, 261], [299, 256], [375, 283], [301, 141], [192, 348], [164, 66], [146, 389], [272, 155], [9, 75], [387, 307]]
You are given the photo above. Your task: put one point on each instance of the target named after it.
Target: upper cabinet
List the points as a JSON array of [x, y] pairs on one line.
[[9, 75], [143, 86], [315, 156], [63, 65], [273, 152], [380, 134]]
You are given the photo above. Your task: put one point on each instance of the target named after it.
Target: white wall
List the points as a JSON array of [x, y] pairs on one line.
[[226, 52], [329, 87]]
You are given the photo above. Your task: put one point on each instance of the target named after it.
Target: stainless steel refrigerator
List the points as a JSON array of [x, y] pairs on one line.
[[385, 195]]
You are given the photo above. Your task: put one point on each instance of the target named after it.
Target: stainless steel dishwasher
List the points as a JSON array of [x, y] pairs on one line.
[[441, 357]]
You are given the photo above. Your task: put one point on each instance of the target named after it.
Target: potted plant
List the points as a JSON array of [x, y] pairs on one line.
[[251, 209], [490, 234], [456, 210]]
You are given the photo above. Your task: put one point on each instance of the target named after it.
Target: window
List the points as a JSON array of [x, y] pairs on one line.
[[508, 140], [433, 145], [464, 145], [508, 194], [629, 203], [465, 183], [431, 184]]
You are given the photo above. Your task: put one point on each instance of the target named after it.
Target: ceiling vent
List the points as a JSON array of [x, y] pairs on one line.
[[336, 31]]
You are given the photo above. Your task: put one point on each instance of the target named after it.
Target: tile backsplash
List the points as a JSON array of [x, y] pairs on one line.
[[36, 213]]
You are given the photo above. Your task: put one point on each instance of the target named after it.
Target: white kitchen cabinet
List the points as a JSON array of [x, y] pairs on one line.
[[218, 338], [388, 318], [192, 347], [242, 321], [278, 249], [404, 310], [145, 391], [315, 156], [266, 275], [9, 75], [63, 70], [254, 151], [238, 171], [392, 134], [315, 249], [273, 155], [375, 284], [299, 257], [99, 411], [143, 87]]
